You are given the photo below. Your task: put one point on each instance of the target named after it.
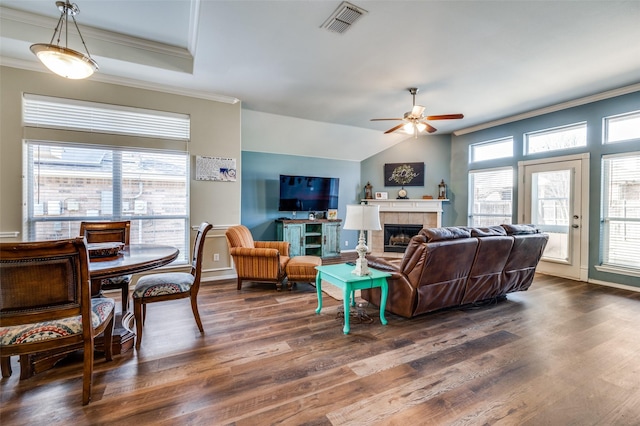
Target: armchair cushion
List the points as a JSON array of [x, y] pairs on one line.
[[101, 308]]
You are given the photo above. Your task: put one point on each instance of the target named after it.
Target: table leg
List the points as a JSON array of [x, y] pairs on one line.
[[383, 300], [319, 290], [346, 296]]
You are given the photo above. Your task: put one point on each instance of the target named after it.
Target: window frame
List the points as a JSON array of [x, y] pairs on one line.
[[606, 124], [471, 201], [116, 175], [606, 219], [497, 141], [579, 125]]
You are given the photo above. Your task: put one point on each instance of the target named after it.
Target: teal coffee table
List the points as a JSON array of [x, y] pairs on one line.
[[340, 275]]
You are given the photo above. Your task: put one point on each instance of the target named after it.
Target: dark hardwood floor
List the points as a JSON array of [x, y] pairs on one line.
[[562, 353]]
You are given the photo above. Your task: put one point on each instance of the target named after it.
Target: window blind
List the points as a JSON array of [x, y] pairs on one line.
[[490, 197], [70, 114], [621, 210]]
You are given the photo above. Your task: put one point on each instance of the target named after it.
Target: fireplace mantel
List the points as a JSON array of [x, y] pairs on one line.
[[427, 213]]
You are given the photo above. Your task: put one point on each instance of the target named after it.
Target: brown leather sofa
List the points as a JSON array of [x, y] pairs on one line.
[[455, 266]]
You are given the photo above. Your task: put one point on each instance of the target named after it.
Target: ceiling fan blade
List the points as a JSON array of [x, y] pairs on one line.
[[383, 119], [445, 117], [430, 128], [393, 129], [417, 111]]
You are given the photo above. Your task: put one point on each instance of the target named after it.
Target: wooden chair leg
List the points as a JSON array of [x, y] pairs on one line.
[[137, 313], [108, 339], [87, 372], [25, 367], [239, 283], [196, 314], [125, 296], [5, 364]]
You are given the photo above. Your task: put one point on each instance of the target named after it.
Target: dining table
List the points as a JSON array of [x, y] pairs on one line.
[[130, 259]]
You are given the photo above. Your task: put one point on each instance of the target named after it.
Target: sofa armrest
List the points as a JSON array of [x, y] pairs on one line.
[[382, 264], [281, 246]]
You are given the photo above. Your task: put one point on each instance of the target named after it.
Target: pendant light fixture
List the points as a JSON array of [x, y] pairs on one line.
[[61, 60]]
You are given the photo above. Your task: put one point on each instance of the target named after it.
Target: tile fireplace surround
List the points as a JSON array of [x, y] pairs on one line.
[[427, 213]]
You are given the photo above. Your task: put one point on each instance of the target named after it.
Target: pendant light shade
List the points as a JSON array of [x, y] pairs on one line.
[[61, 60]]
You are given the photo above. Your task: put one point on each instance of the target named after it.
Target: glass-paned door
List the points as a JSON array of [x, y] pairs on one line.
[[553, 202]]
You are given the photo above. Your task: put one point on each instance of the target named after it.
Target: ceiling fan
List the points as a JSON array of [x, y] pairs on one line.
[[414, 122]]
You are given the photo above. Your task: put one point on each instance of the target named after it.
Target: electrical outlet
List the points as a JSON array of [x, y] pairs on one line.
[[346, 243], [216, 257]]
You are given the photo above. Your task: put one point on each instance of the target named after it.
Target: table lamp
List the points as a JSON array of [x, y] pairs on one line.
[[362, 217]]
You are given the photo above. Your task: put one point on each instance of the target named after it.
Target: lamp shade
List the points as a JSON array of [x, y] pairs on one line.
[[362, 217], [65, 62]]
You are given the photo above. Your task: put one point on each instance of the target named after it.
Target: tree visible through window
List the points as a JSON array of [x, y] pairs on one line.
[[70, 183]]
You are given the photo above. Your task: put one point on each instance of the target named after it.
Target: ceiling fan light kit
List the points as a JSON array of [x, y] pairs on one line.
[[414, 122], [61, 60]]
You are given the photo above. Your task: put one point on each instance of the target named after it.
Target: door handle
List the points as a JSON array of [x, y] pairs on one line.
[[575, 226], [575, 216]]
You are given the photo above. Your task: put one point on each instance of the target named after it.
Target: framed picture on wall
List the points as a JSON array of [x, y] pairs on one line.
[[404, 174]]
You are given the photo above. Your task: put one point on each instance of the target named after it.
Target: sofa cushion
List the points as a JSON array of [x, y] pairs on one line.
[[443, 234], [491, 231], [520, 229]]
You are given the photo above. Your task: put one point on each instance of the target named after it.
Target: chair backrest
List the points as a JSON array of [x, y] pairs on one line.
[[106, 232], [239, 236], [43, 281], [198, 249]]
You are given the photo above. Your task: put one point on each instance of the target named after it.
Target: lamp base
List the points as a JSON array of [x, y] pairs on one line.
[[362, 268]]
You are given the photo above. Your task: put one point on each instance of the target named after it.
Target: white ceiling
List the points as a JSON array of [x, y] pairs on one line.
[[486, 59]]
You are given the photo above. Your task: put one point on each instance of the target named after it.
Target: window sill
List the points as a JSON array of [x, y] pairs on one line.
[[632, 272]]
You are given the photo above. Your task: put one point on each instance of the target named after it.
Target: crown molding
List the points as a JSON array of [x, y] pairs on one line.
[[553, 108], [128, 82], [29, 27]]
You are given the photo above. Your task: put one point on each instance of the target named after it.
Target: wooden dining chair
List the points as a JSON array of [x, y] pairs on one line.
[[109, 232], [45, 304], [171, 285]]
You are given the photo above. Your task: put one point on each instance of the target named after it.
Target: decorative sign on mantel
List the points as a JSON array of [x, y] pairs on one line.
[[216, 169]]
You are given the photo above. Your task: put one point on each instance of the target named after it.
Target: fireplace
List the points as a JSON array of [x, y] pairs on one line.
[[425, 213], [397, 236]]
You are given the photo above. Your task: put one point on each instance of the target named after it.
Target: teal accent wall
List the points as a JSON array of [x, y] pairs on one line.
[[261, 190], [434, 151], [593, 115]]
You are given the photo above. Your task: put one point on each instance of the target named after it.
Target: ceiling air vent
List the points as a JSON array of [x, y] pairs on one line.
[[345, 15]]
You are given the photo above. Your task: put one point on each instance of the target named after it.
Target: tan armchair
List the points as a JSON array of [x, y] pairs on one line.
[[262, 261]]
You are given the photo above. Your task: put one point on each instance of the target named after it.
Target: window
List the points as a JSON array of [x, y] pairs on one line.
[[622, 128], [565, 137], [621, 210], [499, 148], [490, 197], [70, 114], [69, 183]]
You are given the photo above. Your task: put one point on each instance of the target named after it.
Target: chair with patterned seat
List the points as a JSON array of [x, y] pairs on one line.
[[45, 305], [109, 232], [171, 285]]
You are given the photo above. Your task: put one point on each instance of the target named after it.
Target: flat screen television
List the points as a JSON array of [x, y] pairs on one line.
[[308, 193]]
